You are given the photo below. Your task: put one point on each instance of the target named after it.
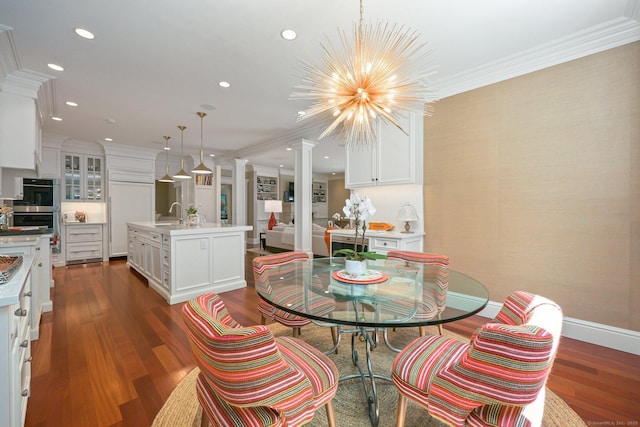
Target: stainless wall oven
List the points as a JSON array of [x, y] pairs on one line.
[[39, 207]]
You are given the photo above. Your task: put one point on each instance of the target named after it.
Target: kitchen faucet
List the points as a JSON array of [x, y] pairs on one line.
[[181, 219]]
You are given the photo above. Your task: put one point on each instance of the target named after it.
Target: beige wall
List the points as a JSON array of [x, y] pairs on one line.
[[337, 195], [534, 184]]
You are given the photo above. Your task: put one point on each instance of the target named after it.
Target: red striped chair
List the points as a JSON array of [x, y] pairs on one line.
[[498, 379], [282, 268], [435, 273], [248, 377]]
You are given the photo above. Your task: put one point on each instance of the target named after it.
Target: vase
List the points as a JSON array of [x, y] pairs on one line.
[[193, 219], [355, 267]]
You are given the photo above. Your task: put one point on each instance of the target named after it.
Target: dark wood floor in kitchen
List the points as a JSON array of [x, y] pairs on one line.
[[112, 351]]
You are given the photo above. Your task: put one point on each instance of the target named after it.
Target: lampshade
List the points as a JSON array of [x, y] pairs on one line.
[[182, 174], [273, 206], [166, 177], [407, 213], [201, 168]]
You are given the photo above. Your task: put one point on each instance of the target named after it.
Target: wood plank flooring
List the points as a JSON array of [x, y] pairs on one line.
[[112, 351]]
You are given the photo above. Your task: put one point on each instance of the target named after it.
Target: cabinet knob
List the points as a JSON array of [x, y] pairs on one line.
[[385, 243], [28, 359], [38, 248], [28, 294], [39, 264], [25, 392], [24, 344], [21, 312]]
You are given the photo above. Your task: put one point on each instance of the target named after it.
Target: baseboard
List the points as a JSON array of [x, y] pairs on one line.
[[594, 333]]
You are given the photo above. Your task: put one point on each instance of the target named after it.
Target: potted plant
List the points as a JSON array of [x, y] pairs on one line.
[[358, 210], [192, 214]]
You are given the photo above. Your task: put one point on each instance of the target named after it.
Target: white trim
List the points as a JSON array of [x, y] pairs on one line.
[[608, 35], [583, 330]]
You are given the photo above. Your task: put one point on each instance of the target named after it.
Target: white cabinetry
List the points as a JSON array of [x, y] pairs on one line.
[[395, 158], [181, 262], [381, 242], [38, 249], [83, 177], [84, 242], [128, 201], [50, 163], [15, 345]]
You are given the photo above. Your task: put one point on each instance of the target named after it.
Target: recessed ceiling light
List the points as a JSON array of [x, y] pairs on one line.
[[281, 166], [71, 104], [85, 34], [333, 173], [57, 119], [326, 157], [224, 84], [288, 148], [55, 67], [108, 139], [288, 34], [212, 155]]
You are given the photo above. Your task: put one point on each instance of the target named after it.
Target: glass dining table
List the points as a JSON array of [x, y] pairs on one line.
[[390, 294]]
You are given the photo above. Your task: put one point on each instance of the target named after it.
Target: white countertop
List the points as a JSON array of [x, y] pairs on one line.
[[372, 233], [184, 229], [10, 291], [20, 240]]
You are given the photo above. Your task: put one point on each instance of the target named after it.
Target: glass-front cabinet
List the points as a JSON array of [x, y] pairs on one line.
[[83, 177]]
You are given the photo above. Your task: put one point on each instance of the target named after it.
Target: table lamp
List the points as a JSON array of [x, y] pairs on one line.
[[272, 206], [407, 213]]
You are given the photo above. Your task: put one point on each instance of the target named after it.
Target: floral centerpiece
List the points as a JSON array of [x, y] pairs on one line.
[[358, 210]]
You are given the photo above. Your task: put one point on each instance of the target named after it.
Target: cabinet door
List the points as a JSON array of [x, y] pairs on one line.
[[93, 174], [128, 202], [72, 174], [359, 170], [396, 154]]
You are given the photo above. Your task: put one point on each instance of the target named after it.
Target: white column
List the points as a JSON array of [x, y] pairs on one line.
[[239, 194], [303, 152], [217, 178]]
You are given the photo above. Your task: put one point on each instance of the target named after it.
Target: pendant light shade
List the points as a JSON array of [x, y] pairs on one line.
[[182, 174], [201, 168], [166, 177]]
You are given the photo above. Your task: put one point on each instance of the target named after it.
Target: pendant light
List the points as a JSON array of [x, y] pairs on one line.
[[201, 168], [182, 174], [166, 177]]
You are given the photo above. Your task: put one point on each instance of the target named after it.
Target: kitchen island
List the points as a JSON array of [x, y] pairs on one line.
[[183, 261]]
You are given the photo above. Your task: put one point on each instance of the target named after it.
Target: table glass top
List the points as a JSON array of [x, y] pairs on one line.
[[390, 293]]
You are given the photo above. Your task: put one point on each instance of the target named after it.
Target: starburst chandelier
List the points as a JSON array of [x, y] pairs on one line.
[[379, 76]]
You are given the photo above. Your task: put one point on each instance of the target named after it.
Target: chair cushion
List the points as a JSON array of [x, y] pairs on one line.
[[506, 364], [414, 367], [221, 414]]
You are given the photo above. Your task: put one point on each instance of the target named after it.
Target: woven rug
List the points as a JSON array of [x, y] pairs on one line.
[[182, 408]]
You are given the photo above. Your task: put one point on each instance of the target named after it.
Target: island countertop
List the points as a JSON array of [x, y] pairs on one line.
[[174, 229]]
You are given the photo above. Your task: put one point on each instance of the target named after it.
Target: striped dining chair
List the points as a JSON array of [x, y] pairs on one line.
[[249, 378], [283, 268], [434, 272], [498, 379]]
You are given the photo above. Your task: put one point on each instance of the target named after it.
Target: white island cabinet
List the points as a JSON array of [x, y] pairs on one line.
[[181, 262]]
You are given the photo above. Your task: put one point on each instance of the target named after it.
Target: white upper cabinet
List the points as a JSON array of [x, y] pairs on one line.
[[395, 158], [83, 177]]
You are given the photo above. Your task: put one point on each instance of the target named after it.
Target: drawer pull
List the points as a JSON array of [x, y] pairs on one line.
[[38, 248], [21, 312], [28, 294], [385, 243], [25, 392], [24, 344]]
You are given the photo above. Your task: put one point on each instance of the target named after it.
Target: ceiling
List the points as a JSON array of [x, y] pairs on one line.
[[154, 63]]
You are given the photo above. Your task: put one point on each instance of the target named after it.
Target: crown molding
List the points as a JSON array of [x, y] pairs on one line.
[[611, 34], [9, 60]]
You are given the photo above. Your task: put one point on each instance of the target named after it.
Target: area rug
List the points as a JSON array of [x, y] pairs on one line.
[[182, 408]]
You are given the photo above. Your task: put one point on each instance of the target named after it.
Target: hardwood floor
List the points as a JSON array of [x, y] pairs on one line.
[[112, 351]]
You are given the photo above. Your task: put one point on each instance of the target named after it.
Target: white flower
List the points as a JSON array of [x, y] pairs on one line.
[[357, 208]]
